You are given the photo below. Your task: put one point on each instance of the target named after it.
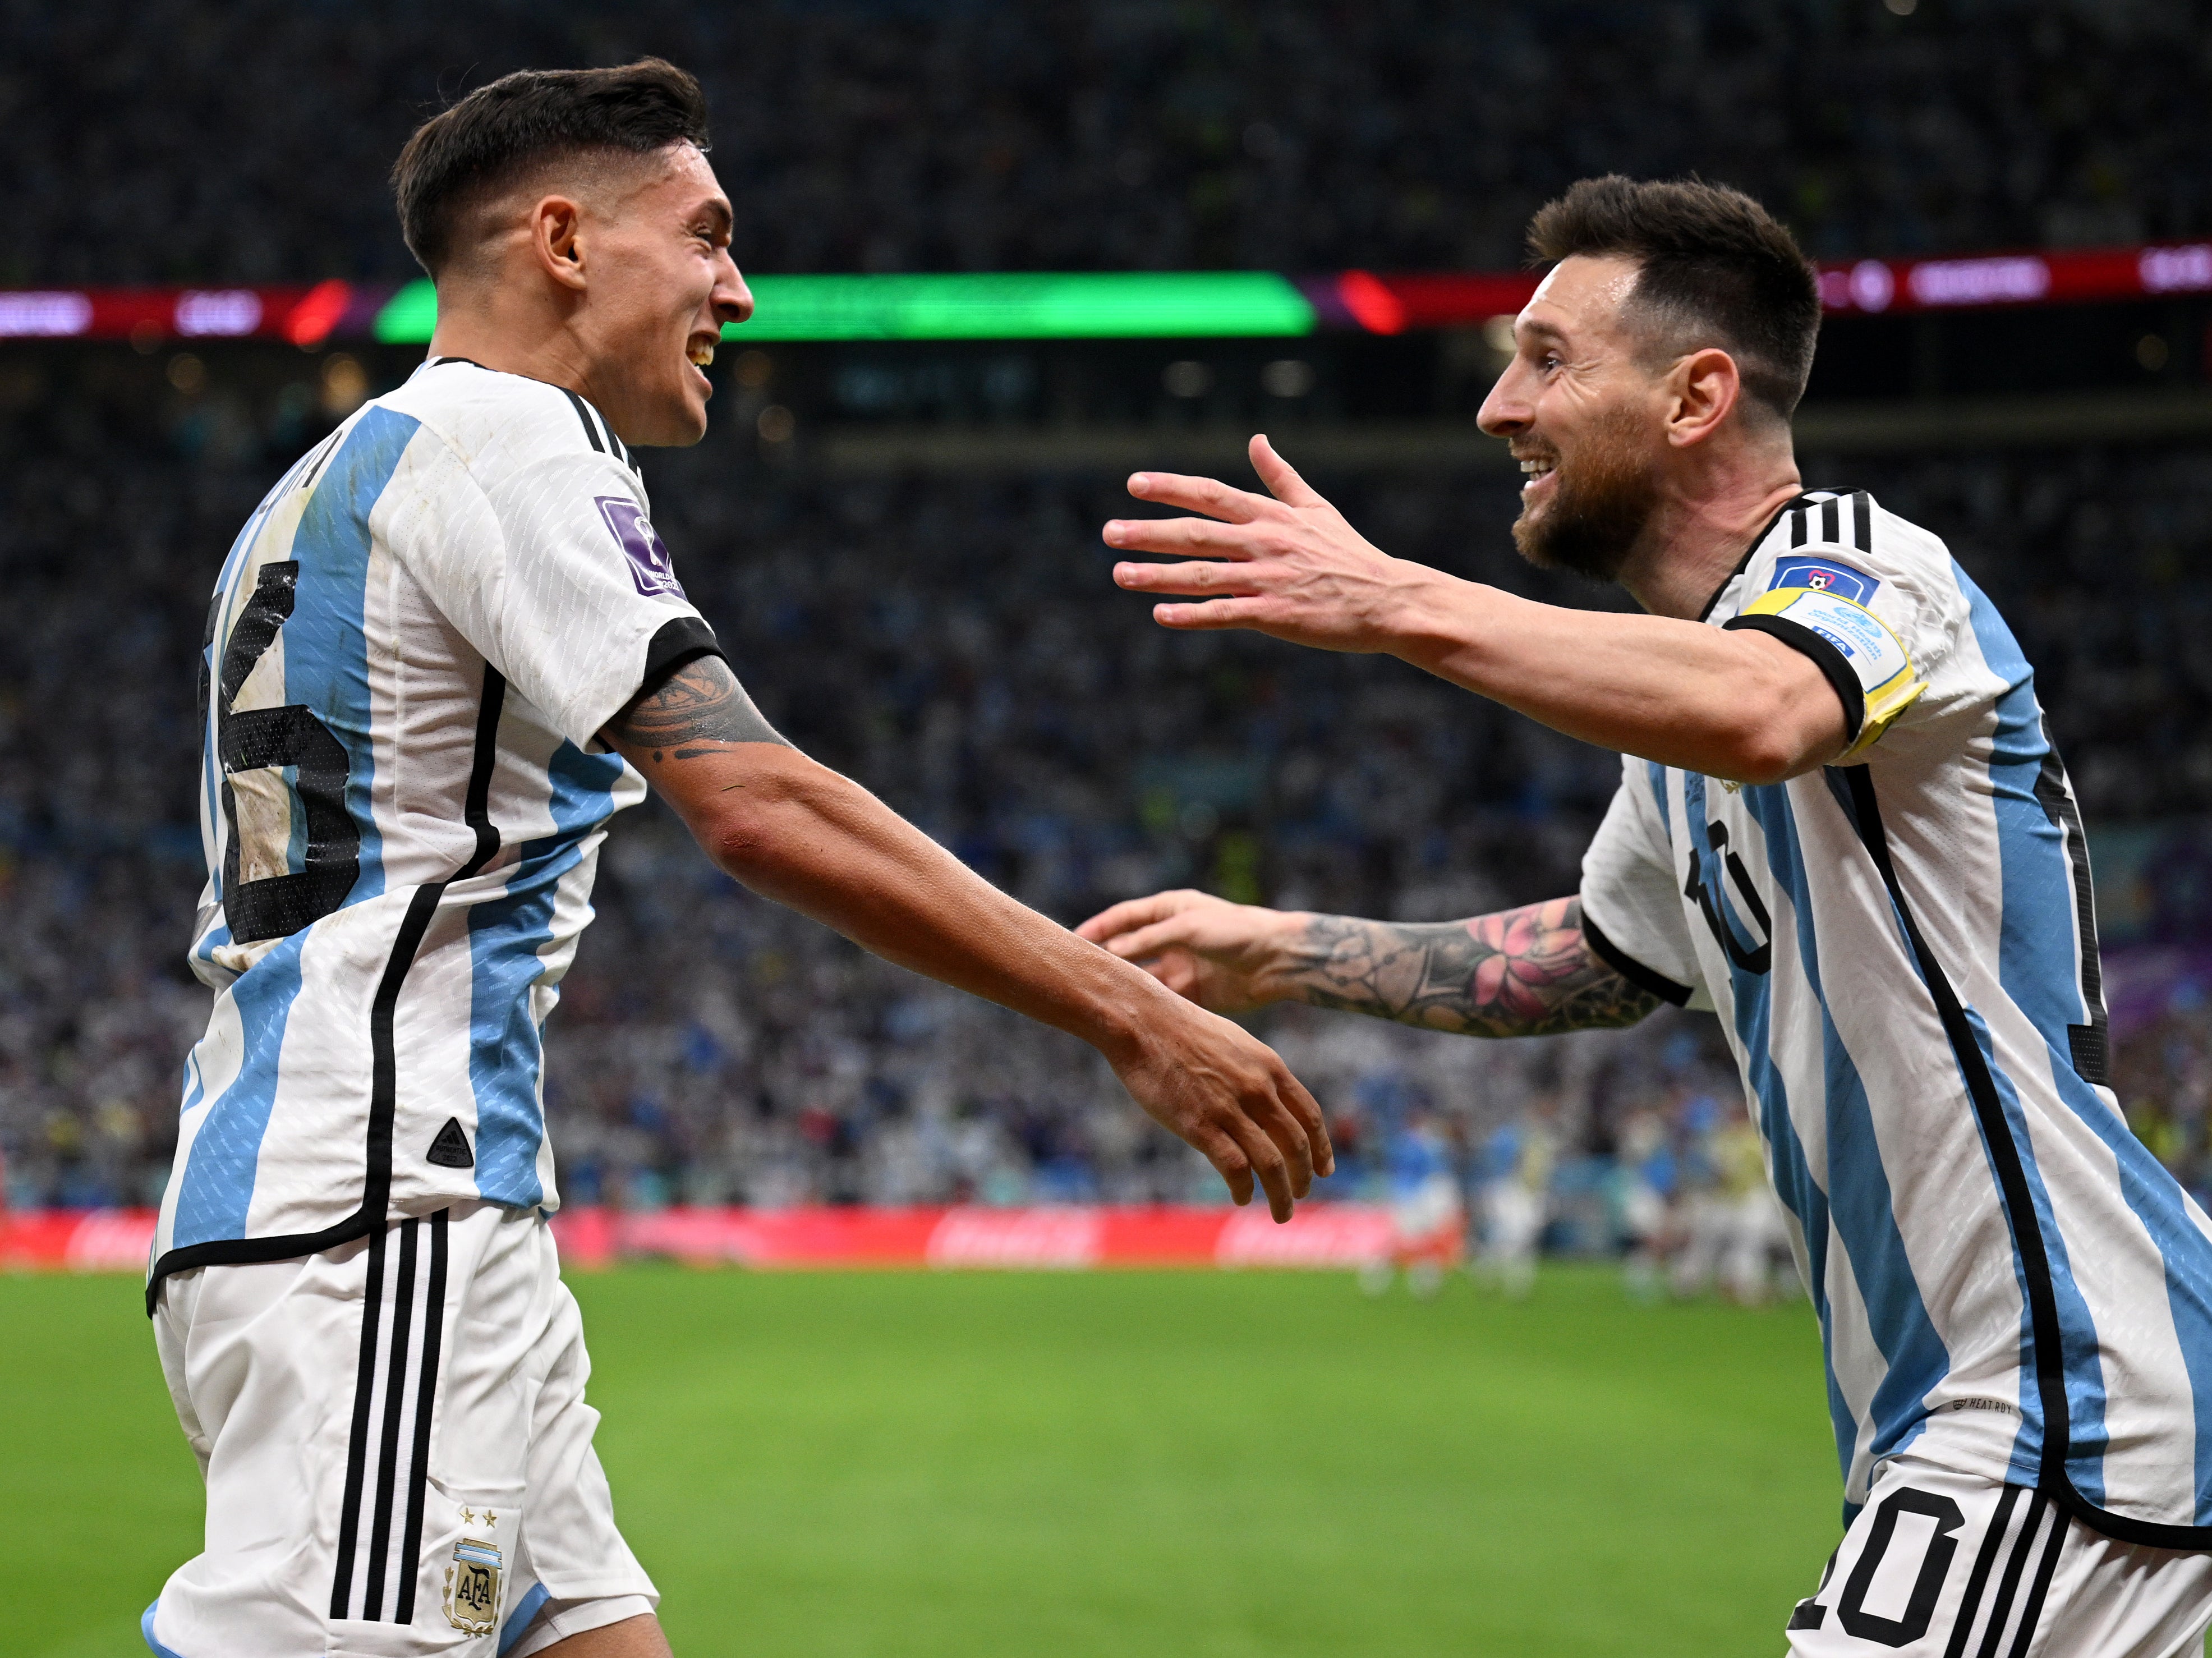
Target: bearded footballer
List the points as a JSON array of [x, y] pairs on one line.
[[1843, 827]]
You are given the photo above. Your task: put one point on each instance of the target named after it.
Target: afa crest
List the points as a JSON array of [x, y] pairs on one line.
[[472, 1587]]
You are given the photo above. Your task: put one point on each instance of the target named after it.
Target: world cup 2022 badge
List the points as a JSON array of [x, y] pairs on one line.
[[472, 1587]]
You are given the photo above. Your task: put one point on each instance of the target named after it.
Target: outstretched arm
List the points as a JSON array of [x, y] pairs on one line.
[[1739, 705], [802, 835], [1527, 972]]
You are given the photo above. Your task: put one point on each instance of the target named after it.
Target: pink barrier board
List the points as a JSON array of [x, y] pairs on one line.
[[1067, 1239]]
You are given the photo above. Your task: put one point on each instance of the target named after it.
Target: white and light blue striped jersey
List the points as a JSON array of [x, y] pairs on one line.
[[412, 647], [1902, 949]]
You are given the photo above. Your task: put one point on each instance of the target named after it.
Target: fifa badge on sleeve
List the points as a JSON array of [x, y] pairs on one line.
[[472, 1585]]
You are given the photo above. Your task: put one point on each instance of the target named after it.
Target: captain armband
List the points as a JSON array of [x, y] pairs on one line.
[[1861, 658]]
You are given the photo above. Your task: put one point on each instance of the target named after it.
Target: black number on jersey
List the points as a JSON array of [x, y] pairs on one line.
[[1927, 1586], [1752, 958], [283, 781]]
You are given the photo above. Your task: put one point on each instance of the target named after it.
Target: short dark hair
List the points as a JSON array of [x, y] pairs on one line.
[[1716, 268], [491, 139]]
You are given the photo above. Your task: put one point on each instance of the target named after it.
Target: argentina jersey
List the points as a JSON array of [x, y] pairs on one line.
[[412, 647], [1902, 949]]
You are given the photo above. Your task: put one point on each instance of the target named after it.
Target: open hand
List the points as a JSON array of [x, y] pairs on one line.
[[1222, 1089], [1285, 563], [1215, 953]]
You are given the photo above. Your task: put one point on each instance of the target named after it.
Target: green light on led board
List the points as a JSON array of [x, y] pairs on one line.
[[409, 316], [1133, 305]]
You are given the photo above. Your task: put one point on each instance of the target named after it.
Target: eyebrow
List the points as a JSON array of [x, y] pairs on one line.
[[718, 211], [1544, 330]]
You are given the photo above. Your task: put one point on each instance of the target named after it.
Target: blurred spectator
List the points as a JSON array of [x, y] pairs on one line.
[[179, 141], [955, 645], [2162, 1069], [1518, 1160]]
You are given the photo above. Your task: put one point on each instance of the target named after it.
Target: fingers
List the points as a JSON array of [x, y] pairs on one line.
[[1277, 1152], [1290, 1138], [1207, 495], [1191, 538], [1133, 913], [1283, 483], [1178, 971], [1205, 578], [1303, 1106], [1250, 611], [1147, 941], [1278, 1146], [1230, 1163], [1266, 1161]]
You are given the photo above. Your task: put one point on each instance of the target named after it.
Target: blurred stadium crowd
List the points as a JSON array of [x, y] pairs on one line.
[[955, 644], [163, 141]]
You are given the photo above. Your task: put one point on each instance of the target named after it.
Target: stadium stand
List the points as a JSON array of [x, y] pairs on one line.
[[162, 142], [954, 643]]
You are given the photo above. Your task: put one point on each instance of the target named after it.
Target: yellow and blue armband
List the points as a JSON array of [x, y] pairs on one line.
[[1854, 647]]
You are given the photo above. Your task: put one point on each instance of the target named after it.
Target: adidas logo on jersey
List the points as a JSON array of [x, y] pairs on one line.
[[451, 1149]]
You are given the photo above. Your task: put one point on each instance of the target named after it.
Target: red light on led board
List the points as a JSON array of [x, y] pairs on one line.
[[1371, 303], [312, 321]]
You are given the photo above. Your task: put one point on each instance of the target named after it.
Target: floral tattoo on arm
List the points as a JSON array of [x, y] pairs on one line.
[[1527, 972]]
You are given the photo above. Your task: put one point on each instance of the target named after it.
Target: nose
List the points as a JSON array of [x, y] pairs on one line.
[[1505, 411], [733, 299]]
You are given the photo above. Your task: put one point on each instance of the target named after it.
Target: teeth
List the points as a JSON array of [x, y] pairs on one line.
[[1537, 468], [701, 356]]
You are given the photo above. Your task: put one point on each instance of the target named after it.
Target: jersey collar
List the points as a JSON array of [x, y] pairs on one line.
[[1750, 553]]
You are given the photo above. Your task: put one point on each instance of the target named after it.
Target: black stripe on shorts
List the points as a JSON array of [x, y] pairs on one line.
[[395, 1400]]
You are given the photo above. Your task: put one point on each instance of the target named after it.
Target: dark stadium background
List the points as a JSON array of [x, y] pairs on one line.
[[898, 540]]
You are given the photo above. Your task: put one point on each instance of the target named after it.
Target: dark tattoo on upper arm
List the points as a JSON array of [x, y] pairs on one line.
[[1519, 972], [698, 706]]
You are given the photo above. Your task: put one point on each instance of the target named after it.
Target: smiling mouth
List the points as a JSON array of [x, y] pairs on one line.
[[1534, 467], [701, 352]]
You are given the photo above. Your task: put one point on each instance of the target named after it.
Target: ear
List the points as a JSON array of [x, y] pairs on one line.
[[1704, 388], [557, 225]]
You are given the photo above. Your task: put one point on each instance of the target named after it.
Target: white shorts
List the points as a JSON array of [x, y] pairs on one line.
[[397, 1450], [1945, 1564], [1517, 1218], [1430, 1214]]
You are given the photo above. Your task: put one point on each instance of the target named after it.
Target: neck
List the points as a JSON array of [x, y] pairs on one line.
[[1704, 525], [505, 326]]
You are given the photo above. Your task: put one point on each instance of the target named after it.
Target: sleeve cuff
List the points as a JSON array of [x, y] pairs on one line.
[[685, 640], [1826, 657], [1629, 967]]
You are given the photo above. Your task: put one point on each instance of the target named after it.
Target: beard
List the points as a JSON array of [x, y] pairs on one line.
[[1599, 504]]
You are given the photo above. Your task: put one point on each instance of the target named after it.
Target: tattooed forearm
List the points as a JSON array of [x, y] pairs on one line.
[[699, 705], [1519, 972]]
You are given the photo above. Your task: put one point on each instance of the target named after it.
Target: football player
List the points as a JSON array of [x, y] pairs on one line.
[[447, 648], [1842, 826]]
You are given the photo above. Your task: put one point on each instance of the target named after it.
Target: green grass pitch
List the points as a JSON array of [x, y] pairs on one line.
[[987, 1466]]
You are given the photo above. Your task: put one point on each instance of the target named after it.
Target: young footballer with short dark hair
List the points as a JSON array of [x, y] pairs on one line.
[[447, 648]]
